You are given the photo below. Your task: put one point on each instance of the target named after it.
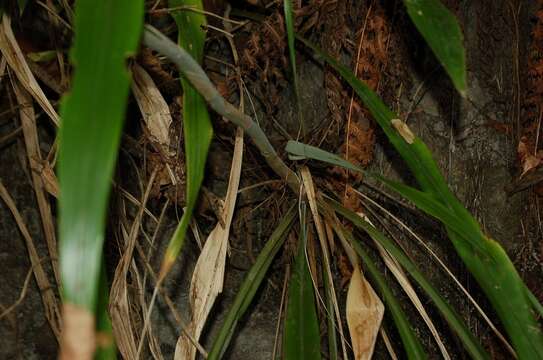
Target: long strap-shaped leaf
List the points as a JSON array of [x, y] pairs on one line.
[[197, 130], [441, 31], [301, 334], [106, 32], [484, 257]]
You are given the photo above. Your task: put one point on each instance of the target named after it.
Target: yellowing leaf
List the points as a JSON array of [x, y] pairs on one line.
[[364, 315]]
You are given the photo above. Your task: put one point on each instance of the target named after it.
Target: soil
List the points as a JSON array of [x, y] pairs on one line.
[[474, 141]]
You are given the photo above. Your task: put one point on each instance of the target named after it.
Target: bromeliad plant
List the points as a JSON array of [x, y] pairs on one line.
[[91, 125]]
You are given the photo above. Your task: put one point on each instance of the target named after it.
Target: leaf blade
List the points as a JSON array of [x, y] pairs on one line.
[[301, 334], [197, 128], [441, 31], [92, 118]]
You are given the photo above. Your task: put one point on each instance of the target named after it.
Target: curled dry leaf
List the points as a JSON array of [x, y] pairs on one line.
[[527, 158], [153, 107], [49, 179], [208, 277], [16, 61], [364, 315], [403, 130], [157, 117]]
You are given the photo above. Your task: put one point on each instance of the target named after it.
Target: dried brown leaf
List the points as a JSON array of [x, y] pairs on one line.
[[30, 132], [50, 304], [208, 277], [153, 107], [119, 301], [17, 62], [404, 130], [364, 315]]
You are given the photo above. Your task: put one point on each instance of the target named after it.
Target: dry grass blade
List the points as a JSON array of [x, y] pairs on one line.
[[153, 107], [137, 282], [48, 178], [388, 344], [119, 307], [404, 282], [30, 132], [49, 299], [22, 295], [364, 315], [311, 196], [208, 277], [280, 316], [16, 60], [153, 342]]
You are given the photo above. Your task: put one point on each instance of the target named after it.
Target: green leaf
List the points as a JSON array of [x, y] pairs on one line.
[[250, 285], [289, 23], [197, 130], [452, 318], [299, 151], [441, 31], [106, 33], [411, 343], [301, 334]]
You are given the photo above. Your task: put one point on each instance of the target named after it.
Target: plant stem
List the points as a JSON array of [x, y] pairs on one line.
[[157, 41]]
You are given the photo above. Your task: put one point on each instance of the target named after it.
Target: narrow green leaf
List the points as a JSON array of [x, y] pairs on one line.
[[105, 344], [453, 319], [425, 201], [289, 23], [299, 151], [411, 343], [197, 130], [441, 31], [429, 204], [250, 285], [301, 334], [535, 303], [106, 33]]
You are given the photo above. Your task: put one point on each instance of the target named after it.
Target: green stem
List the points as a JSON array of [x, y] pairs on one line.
[[157, 41]]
